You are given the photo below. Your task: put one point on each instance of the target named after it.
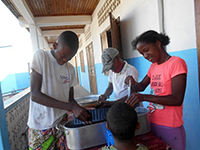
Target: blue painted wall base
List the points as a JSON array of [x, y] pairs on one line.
[[4, 138]]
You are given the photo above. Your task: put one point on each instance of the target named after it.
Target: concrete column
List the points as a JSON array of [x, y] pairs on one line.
[[34, 37], [41, 42], [46, 45], [4, 138]]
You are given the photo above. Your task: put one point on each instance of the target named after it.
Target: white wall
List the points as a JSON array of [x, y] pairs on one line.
[[135, 16], [179, 21], [140, 15], [96, 31]]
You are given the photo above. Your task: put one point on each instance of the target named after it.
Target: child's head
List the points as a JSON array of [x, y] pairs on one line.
[[122, 121], [67, 47]]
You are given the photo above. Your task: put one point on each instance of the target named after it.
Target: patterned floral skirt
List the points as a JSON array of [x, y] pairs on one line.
[[50, 139]]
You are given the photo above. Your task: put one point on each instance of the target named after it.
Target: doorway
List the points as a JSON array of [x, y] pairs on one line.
[[91, 68]]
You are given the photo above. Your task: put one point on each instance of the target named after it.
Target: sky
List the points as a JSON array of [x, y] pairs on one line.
[[13, 59]]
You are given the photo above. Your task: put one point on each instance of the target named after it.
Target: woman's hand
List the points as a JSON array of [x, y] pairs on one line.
[[129, 79], [134, 99]]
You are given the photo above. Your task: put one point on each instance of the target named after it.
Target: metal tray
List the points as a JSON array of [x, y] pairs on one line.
[[86, 100]]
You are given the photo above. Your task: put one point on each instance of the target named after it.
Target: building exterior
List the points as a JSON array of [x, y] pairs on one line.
[[176, 18]]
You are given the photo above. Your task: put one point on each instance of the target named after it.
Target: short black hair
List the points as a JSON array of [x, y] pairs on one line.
[[70, 39], [151, 36], [122, 121]]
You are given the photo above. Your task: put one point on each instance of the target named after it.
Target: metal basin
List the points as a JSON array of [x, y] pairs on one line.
[[143, 118], [84, 136]]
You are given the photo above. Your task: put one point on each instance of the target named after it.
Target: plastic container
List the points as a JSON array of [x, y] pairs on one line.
[[97, 115]]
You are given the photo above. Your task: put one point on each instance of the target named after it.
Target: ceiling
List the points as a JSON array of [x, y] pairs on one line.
[[53, 16]]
